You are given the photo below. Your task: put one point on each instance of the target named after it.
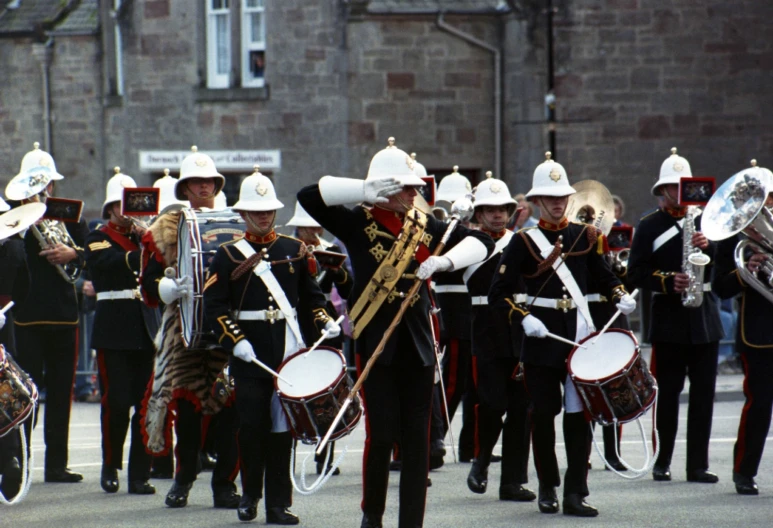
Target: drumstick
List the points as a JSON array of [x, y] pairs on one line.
[[7, 307], [322, 337], [563, 340], [612, 320], [333, 426], [265, 367]]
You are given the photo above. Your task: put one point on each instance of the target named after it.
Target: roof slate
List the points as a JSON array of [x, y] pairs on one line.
[[84, 19], [32, 14]]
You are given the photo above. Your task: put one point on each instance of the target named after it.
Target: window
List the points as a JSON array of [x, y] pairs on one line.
[[218, 43], [226, 65], [253, 43]]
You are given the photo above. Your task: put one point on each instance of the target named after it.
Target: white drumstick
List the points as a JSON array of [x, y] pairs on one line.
[[7, 307], [563, 340], [335, 423], [322, 337], [265, 367], [612, 320]]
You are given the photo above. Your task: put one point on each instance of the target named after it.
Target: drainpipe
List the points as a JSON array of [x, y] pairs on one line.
[[43, 53], [497, 52]]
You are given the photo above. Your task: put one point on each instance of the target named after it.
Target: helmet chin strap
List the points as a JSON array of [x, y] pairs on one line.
[[403, 203], [254, 226]]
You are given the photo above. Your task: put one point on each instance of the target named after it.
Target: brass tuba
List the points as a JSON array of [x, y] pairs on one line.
[[738, 207], [592, 204]]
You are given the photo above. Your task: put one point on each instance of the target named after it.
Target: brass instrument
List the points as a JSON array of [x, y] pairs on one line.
[[592, 204], [739, 206], [618, 260], [694, 261]]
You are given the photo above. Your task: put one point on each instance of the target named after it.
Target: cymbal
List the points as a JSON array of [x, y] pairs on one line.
[[28, 184], [20, 218], [592, 204]]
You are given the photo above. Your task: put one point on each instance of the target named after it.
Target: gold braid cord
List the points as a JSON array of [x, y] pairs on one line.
[[545, 264], [246, 266]]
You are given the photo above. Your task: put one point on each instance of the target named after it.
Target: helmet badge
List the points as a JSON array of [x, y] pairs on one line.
[[261, 189], [201, 161], [495, 188], [555, 175]]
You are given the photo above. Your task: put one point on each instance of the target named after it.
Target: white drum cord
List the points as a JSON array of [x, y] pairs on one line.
[[327, 472], [649, 462], [26, 474]]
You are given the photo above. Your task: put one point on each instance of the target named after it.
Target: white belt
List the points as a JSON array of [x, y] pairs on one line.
[[262, 315], [450, 288], [595, 297], [542, 302], [119, 294], [706, 288], [479, 300]]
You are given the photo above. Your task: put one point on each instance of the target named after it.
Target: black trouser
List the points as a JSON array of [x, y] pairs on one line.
[[756, 414], [437, 426], [467, 445], [123, 377], [49, 354], [398, 401], [670, 364], [543, 385], [499, 394], [190, 434], [263, 455]]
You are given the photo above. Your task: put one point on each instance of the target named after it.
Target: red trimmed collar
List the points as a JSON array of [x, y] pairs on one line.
[[257, 239], [120, 229], [676, 212], [382, 215], [497, 235], [544, 224]]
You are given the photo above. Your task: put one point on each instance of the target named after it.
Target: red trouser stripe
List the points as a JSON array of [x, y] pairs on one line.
[[741, 442], [106, 444], [654, 372], [453, 370]]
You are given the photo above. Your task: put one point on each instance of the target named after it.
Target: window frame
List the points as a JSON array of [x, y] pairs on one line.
[[248, 45], [217, 80]]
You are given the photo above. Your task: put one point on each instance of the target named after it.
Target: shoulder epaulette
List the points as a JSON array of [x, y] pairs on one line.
[[649, 213], [521, 230], [227, 242], [291, 238]]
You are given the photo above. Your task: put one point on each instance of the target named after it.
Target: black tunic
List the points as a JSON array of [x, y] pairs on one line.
[[14, 284]]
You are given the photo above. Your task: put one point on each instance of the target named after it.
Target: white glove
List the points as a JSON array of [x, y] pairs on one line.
[[333, 329], [2, 320], [627, 304], [379, 190], [243, 350], [534, 327], [432, 265], [169, 290]]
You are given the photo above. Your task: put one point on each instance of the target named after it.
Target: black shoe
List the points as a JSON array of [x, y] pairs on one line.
[[62, 475], [477, 480], [11, 479], [661, 473], [370, 521], [395, 465], [207, 461], [248, 508], [516, 493], [548, 501], [616, 465], [574, 504], [743, 485], [226, 498], [436, 462], [141, 487], [465, 456], [437, 449], [702, 475], [320, 465], [281, 516], [177, 497], [109, 479], [161, 474], [496, 458]]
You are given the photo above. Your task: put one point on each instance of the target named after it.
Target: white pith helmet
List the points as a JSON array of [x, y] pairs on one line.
[[550, 179], [394, 163], [452, 187], [39, 158], [418, 168], [221, 201], [167, 201], [301, 218], [198, 165], [673, 169], [257, 194], [493, 192], [115, 187]]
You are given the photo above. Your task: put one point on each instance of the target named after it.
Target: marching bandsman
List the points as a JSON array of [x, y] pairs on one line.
[[685, 340], [547, 269], [47, 321], [455, 314], [389, 245], [754, 343], [255, 287], [183, 378], [123, 336], [308, 231], [495, 354]]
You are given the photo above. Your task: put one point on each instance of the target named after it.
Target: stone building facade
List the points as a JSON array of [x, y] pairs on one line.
[[459, 82]]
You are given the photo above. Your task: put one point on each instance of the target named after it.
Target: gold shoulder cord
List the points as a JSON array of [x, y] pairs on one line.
[[389, 271]]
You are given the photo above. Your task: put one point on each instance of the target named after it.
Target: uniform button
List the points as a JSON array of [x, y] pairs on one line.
[[563, 288], [561, 246], [270, 298], [564, 296], [232, 327], [236, 332]]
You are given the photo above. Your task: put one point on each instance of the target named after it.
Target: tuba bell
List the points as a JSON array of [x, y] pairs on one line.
[[739, 207], [592, 204]]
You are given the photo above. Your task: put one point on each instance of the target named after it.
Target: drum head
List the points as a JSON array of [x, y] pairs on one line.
[[187, 237], [310, 374], [608, 356]]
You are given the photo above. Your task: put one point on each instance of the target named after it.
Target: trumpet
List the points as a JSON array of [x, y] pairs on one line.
[[618, 260], [51, 233]]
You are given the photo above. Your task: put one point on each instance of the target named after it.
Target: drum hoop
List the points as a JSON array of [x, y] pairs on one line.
[[314, 395], [600, 381]]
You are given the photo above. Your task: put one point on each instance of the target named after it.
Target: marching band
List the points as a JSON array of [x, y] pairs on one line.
[[206, 315]]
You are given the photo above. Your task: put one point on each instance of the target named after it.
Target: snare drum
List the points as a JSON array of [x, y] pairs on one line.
[[18, 394], [320, 385], [199, 234], [611, 377]]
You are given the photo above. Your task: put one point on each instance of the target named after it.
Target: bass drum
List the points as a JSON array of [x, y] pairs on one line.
[[18, 394], [199, 234]]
